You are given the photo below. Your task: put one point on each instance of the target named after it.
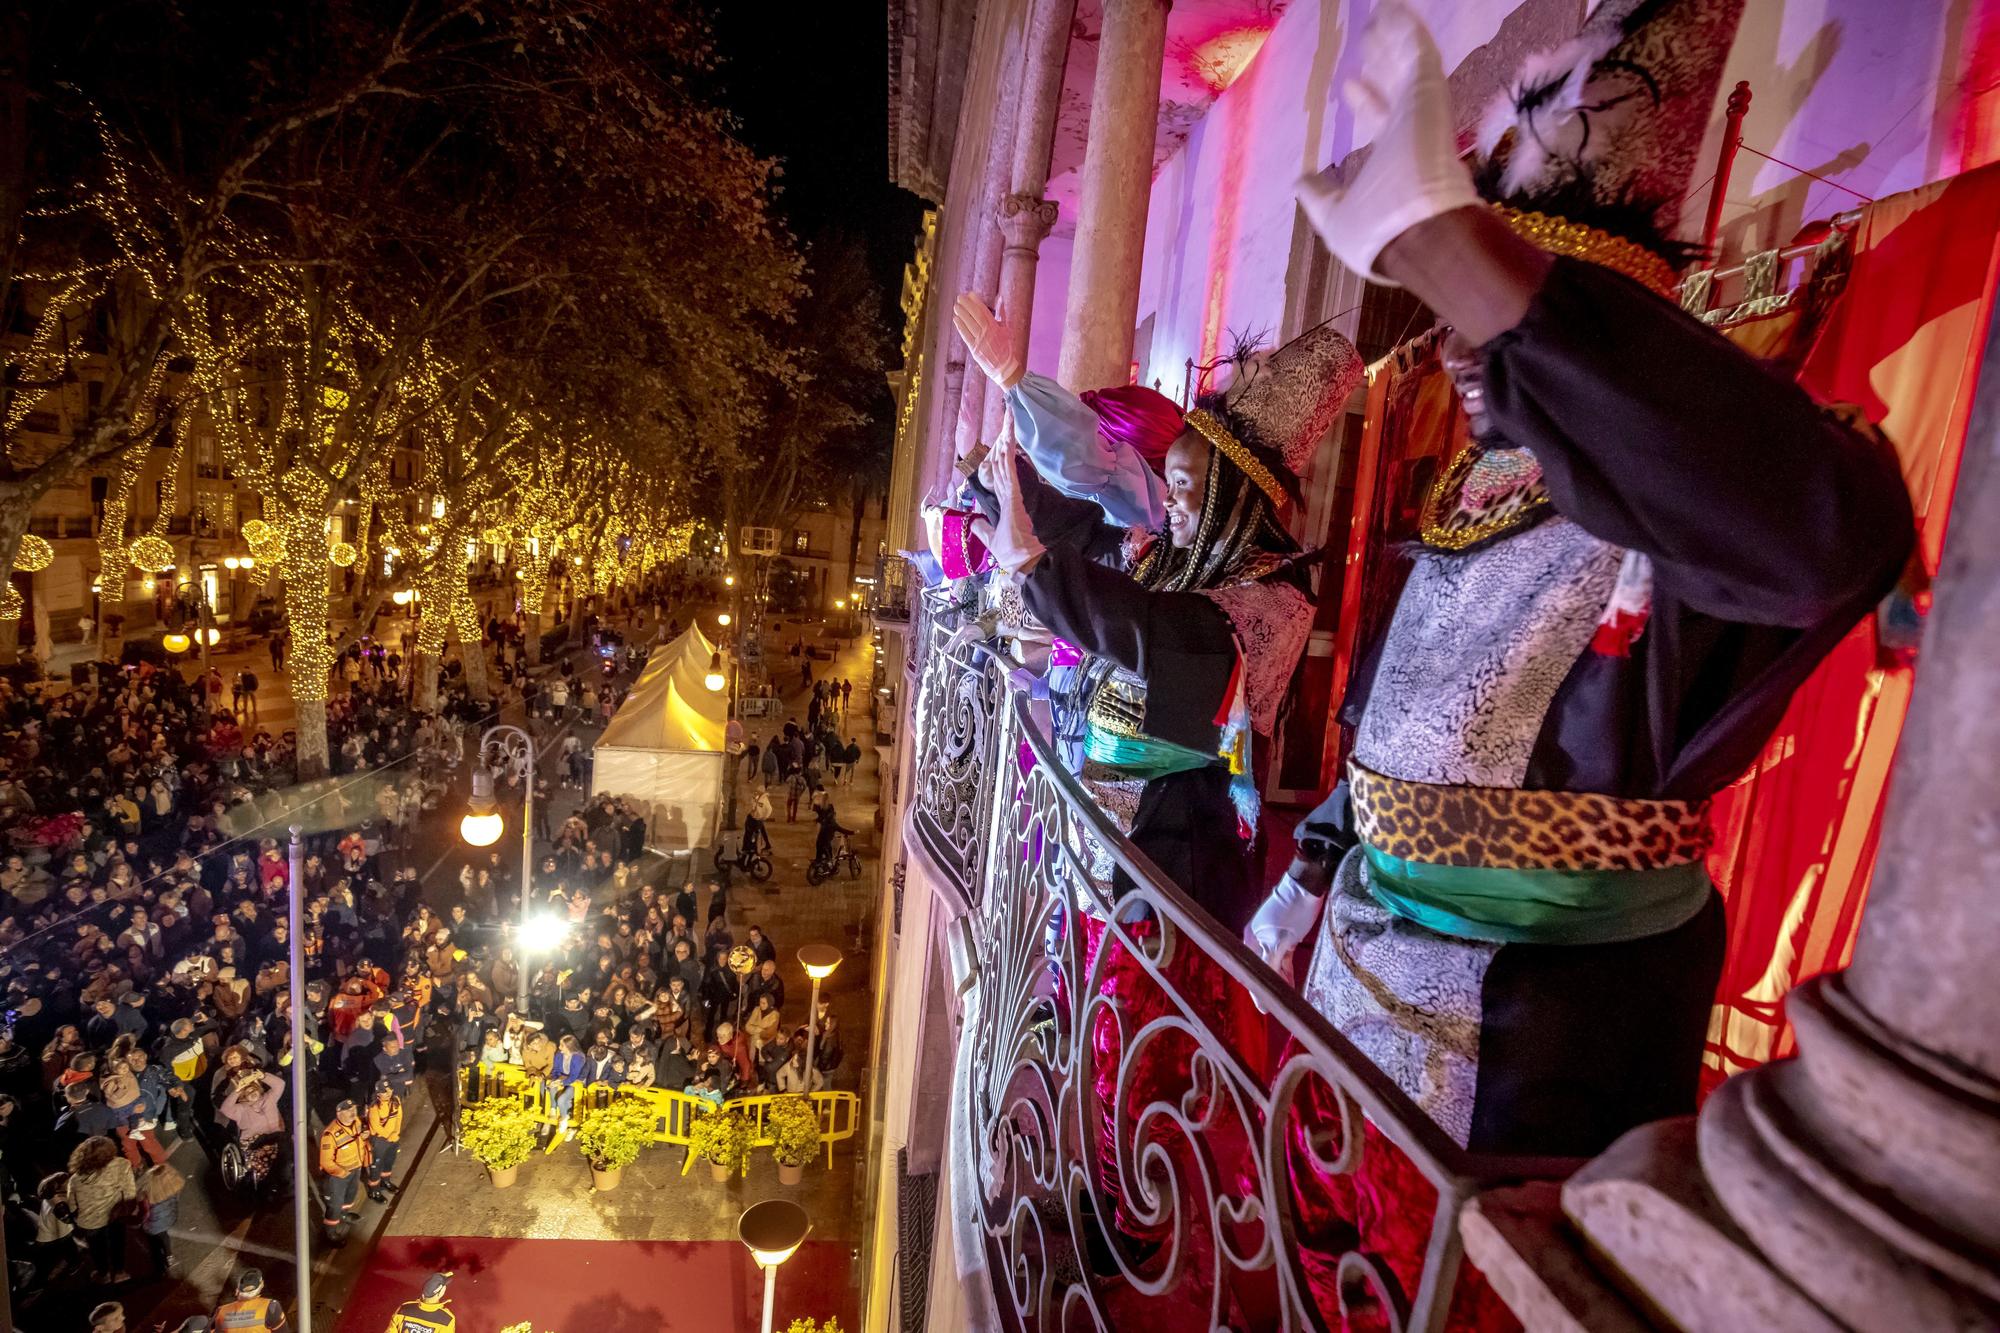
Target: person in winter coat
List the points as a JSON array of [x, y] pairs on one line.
[[755, 838], [100, 1186], [160, 1187]]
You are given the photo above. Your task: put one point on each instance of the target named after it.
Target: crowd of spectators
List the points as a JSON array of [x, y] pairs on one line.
[[144, 958]]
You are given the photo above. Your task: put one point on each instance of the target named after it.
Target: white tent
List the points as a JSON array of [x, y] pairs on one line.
[[663, 749]]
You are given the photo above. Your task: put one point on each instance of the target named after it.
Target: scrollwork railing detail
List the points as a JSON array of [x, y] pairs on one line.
[[1171, 1195], [958, 701]]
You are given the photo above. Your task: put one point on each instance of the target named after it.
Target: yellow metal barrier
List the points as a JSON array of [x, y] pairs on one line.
[[674, 1113]]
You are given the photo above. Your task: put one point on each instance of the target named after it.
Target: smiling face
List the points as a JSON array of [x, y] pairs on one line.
[[1187, 486], [1467, 369]]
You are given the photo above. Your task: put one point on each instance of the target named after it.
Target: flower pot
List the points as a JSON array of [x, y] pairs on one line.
[[720, 1172], [605, 1180], [502, 1177], [789, 1174]]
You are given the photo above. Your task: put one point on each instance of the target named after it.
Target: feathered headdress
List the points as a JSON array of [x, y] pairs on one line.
[[1591, 146]]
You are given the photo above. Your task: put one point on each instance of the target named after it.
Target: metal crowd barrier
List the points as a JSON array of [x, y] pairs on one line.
[[674, 1113]]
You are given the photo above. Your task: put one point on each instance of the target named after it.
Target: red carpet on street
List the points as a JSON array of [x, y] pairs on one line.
[[587, 1286]]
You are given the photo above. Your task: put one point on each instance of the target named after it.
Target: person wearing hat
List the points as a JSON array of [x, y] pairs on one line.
[[251, 1311], [1650, 542], [385, 1132], [1189, 636], [343, 1158], [1190, 632], [429, 1313]]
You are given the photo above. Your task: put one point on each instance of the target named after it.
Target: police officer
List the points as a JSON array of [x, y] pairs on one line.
[[343, 1157], [251, 1311], [395, 1065], [429, 1313], [385, 1132]]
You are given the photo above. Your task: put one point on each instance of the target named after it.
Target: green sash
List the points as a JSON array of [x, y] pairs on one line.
[[1141, 756], [1537, 906]]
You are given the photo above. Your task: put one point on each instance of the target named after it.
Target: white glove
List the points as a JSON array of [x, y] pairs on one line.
[[1012, 540], [1281, 924], [1402, 109], [989, 341]]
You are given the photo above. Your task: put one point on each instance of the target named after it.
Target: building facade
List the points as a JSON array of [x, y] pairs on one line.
[[1116, 177]]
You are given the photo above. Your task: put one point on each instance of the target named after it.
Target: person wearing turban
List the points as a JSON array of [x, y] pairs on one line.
[[1649, 544]]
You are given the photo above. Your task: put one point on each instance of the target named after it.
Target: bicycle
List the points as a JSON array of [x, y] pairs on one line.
[[757, 865], [821, 871]]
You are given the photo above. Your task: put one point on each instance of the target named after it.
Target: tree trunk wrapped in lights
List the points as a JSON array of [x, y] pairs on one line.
[[111, 559], [442, 584], [534, 595], [471, 643], [304, 566]]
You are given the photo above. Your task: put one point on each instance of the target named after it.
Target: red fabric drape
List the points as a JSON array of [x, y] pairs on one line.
[[1797, 835]]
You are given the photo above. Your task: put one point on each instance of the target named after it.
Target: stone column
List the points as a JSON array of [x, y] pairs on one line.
[[1858, 1185], [1111, 210], [939, 463], [1025, 217], [984, 277]]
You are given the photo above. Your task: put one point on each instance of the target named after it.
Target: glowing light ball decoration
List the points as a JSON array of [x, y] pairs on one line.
[[12, 605], [34, 555], [342, 554], [154, 555], [256, 532]]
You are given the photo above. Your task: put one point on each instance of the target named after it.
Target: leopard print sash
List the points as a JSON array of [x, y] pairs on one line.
[[1509, 829]]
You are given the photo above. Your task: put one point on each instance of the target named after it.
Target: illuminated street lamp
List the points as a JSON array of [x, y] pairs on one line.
[[772, 1231], [231, 562], [714, 680], [482, 824], [511, 750], [723, 620], [174, 641], [728, 580], [818, 960]]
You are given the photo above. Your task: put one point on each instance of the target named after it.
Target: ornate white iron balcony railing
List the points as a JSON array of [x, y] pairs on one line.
[[1123, 1160]]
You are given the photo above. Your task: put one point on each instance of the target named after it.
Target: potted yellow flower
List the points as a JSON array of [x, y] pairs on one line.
[[611, 1139], [500, 1134], [795, 1129], [723, 1139]]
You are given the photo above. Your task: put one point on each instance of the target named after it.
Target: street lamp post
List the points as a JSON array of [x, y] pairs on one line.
[[301, 1224], [772, 1231], [819, 960], [512, 750]]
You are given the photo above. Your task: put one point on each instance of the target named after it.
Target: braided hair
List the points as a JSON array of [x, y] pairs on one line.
[[1237, 523]]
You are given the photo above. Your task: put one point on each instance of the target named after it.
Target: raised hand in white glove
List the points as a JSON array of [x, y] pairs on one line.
[[1402, 109], [1012, 540], [1282, 924], [991, 345]]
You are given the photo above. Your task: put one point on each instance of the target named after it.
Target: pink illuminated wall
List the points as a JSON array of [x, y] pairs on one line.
[[1879, 95]]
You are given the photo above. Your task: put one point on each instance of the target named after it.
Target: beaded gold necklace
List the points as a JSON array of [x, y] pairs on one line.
[[1481, 495]]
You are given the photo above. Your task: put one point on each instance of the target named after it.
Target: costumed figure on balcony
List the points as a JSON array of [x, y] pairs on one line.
[[1108, 446], [1649, 544], [1190, 636]]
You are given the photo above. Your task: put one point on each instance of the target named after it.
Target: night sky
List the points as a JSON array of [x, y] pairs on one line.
[[810, 83]]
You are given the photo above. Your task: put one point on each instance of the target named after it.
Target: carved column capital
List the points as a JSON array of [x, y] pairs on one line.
[[1025, 220]]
